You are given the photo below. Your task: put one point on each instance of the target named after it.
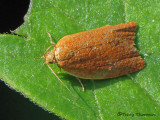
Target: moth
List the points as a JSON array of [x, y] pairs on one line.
[[105, 52]]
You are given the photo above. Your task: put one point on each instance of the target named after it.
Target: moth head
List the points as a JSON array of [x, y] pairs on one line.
[[49, 57]]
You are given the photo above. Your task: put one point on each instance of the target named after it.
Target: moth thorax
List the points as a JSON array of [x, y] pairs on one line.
[[50, 57]]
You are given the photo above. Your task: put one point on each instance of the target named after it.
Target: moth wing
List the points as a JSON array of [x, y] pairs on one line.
[[125, 27], [98, 54]]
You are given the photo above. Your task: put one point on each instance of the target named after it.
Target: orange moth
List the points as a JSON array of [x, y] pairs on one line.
[[101, 53]]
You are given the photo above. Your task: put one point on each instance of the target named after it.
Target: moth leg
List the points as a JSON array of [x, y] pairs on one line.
[[46, 51], [50, 38], [80, 83], [52, 44], [59, 70]]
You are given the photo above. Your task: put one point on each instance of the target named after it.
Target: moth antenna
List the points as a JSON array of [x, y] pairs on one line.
[[81, 83], [50, 38], [59, 79]]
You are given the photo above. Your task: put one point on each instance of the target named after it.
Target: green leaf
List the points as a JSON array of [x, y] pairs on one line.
[[22, 67]]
